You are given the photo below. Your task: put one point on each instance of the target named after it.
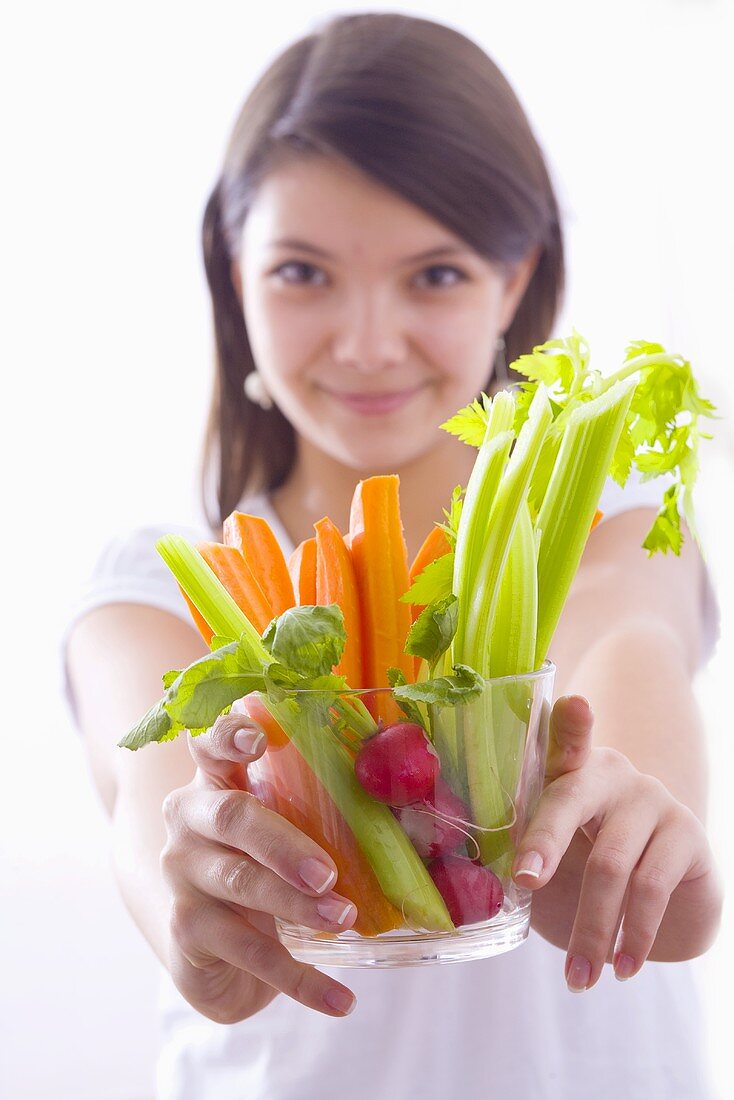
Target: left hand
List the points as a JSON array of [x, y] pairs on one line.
[[646, 844]]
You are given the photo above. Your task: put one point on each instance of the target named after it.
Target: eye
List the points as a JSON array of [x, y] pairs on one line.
[[299, 273], [442, 275]]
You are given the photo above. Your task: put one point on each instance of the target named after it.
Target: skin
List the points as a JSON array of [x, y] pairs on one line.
[[620, 822]]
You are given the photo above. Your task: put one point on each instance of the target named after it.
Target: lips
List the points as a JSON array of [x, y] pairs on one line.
[[374, 404]]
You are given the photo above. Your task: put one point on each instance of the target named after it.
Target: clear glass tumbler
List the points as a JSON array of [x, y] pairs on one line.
[[431, 878]]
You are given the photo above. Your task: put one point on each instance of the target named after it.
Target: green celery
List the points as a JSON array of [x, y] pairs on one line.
[[208, 594], [589, 441]]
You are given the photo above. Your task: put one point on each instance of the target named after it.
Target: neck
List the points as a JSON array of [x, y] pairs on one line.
[[321, 486]]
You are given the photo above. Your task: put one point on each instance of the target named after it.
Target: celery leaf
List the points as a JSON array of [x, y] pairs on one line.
[[432, 632], [470, 423], [665, 533]]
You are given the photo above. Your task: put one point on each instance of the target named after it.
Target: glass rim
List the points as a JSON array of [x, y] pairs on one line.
[[546, 669]]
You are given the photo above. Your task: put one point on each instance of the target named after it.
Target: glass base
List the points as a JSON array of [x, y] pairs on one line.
[[404, 948]]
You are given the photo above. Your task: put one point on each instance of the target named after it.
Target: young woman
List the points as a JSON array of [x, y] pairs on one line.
[[383, 227]]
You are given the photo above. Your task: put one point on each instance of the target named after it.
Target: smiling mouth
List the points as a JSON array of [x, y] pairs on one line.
[[373, 404]]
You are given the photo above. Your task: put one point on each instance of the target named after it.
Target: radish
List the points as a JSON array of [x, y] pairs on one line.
[[431, 835], [471, 893], [398, 764]]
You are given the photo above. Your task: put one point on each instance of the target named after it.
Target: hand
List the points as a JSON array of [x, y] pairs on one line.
[[231, 866], [646, 846]]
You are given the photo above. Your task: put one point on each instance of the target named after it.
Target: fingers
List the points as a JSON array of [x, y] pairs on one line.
[[620, 845], [238, 820], [569, 735], [224, 751], [233, 878], [665, 861], [204, 933]]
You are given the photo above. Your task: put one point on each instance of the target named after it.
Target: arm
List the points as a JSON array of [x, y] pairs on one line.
[[650, 646], [117, 656]]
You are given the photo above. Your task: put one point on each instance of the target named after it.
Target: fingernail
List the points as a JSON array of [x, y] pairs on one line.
[[579, 974], [530, 864], [624, 968], [334, 910], [316, 874], [248, 741], [340, 1001]]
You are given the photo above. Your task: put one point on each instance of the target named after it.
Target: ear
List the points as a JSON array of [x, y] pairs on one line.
[[516, 285], [236, 277]]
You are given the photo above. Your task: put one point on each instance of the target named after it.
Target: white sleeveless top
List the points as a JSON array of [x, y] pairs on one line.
[[504, 1026]]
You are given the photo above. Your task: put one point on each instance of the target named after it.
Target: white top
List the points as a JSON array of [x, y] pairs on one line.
[[462, 1031]]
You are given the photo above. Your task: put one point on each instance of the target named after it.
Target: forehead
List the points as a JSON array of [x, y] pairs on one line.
[[336, 206]]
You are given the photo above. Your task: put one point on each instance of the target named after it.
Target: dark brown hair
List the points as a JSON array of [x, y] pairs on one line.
[[423, 110]]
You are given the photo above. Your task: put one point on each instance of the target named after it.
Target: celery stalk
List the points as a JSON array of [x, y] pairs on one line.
[[208, 594], [581, 468], [515, 620], [481, 743], [473, 527], [397, 866]]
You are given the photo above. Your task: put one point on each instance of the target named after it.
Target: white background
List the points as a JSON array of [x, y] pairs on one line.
[[115, 121]]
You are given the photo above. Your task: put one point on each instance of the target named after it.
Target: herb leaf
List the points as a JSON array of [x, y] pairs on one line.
[[309, 640], [432, 632], [462, 687], [396, 678], [432, 583], [470, 423]]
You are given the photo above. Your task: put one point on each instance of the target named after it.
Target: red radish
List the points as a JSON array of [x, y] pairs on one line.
[[398, 764], [431, 835], [471, 893]]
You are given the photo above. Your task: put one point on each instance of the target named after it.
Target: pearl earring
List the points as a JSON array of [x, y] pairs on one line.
[[500, 362], [255, 391]]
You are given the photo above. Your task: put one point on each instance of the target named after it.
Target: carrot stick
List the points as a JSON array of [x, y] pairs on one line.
[[237, 577], [253, 536], [336, 582], [283, 781], [381, 564], [204, 629], [597, 519], [302, 569]]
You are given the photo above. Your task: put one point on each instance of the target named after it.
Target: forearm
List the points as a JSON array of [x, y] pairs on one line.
[[637, 681], [138, 837]]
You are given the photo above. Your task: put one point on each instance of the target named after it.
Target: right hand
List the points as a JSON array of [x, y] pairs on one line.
[[231, 866]]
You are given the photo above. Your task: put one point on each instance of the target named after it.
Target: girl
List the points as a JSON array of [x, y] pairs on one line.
[[382, 239]]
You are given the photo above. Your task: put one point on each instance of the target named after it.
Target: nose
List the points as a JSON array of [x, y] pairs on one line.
[[371, 333]]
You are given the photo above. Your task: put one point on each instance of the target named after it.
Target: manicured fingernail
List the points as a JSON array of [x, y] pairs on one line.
[[248, 741], [624, 968], [340, 1001], [579, 974], [334, 910], [530, 864], [316, 874]]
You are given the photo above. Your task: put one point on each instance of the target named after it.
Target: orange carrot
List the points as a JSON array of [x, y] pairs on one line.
[[253, 536], [302, 569], [236, 576], [381, 564], [284, 782], [597, 519], [336, 582], [204, 629]]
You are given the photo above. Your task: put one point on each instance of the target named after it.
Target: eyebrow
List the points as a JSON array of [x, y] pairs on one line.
[[430, 254]]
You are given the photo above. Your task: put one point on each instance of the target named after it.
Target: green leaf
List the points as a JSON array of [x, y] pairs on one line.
[[470, 423], [450, 691], [432, 632], [453, 515], [155, 725], [170, 677], [665, 533], [432, 583], [206, 687], [309, 640], [219, 641], [396, 678]]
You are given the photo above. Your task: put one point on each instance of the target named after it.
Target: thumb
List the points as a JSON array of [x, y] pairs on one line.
[[569, 735]]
